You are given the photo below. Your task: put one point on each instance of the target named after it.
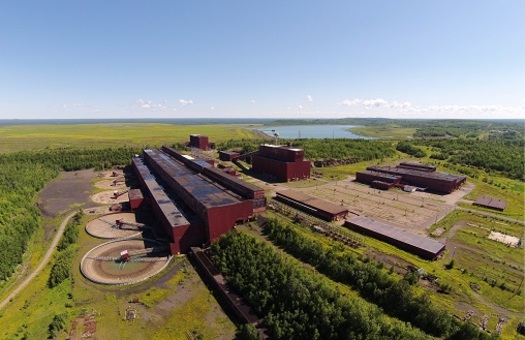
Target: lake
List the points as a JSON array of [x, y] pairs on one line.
[[312, 131]]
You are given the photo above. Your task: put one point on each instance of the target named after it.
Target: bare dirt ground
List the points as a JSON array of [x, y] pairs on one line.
[[109, 184], [414, 212], [107, 197], [111, 174], [69, 188]]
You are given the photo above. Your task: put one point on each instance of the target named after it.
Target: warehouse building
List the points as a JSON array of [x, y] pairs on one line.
[[377, 180], [417, 166], [491, 203], [438, 182], [228, 156], [312, 205], [205, 207], [281, 163], [423, 247]]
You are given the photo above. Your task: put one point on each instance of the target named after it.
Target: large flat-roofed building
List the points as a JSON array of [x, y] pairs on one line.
[[312, 205], [438, 182], [491, 203], [218, 207], [281, 163], [175, 218], [204, 206], [424, 247]]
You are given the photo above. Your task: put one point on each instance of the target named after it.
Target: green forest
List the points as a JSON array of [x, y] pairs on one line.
[[375, 284], [296, 303]]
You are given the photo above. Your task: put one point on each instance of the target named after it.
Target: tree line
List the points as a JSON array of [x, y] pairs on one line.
[[296, 303], [396, 297], [496, 155], [320, 149]]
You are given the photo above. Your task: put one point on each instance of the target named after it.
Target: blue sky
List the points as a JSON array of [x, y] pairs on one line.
[[282, 59]]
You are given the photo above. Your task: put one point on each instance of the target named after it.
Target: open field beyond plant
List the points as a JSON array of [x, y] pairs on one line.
[[38, 137]]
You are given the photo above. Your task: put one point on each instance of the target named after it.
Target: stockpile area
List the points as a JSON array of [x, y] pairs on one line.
[[412, 211]]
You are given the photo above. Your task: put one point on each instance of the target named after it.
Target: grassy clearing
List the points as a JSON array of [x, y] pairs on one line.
[[503, 188], [387, 131], [38, 137]]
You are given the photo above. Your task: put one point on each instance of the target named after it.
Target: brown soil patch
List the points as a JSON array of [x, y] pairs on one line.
[[107, 197], [414, 212], [83, 326], [111, 174], [109, 184], [73, 187]]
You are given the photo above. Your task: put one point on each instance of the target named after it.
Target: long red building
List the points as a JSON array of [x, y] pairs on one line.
[[213, 204]]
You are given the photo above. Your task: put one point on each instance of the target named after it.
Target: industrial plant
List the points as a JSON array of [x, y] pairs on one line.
[[417, 176], [194, 202]]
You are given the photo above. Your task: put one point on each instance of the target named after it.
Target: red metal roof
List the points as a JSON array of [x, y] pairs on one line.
[[424, 243], [313, 202], [491, 202]]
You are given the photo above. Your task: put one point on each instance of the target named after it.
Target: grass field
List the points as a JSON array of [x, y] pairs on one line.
[[37, 137], [386, 131]]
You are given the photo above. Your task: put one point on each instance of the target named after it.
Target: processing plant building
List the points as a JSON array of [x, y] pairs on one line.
[[414, 174], [281, 163], [194, 202]]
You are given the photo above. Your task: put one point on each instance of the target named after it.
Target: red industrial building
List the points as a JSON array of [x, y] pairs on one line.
[[199, 142], [411, 174], [491, 203], [174, 217], [281, 163], [424, 247], [195, 202], [312, 205], [228, 155], [135, 198], [377, 180], [417, 166]]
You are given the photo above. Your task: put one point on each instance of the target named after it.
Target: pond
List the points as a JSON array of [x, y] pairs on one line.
[[311, 131]]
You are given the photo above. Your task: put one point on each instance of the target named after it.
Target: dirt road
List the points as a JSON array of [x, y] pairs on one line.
[[43, 262]]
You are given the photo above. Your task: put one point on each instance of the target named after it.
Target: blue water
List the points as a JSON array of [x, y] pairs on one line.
[[312, 131]]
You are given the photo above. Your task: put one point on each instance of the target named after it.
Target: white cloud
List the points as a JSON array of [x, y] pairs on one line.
[[405, 109], [184, 102], [149, 105], [309, 98], [353, 102], [78, 107], [378, 102], [212, 108]]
